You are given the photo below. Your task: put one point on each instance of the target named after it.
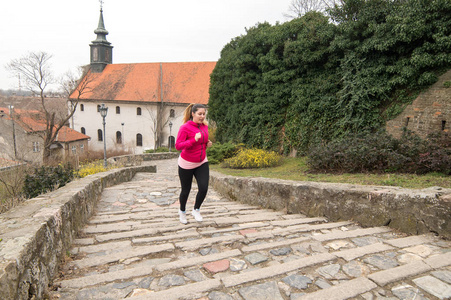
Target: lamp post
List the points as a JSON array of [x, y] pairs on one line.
[[170, 134], [103, 112], [11, 111], [123, 140]]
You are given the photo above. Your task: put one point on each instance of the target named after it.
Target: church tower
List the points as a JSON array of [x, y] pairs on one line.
[[101, 49]]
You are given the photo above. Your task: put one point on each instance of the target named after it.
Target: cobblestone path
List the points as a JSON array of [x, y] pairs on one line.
[[136, 247]]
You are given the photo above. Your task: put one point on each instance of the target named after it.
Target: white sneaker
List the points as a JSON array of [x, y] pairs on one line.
[[182, 216], [196, 215]]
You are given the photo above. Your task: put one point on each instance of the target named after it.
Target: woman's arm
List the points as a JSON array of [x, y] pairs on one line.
[[183, 141]]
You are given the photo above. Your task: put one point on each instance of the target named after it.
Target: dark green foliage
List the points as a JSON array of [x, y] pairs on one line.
[[218, 152], [308, 81], [379, 152], [47, 178]]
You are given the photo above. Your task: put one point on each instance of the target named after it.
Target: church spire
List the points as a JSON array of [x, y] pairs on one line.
[[101, 49]]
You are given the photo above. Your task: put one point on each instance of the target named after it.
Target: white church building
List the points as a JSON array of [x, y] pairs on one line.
[[145, 101]]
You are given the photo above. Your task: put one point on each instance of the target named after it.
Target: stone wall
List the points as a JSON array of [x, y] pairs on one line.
[[430, 111], [137, 159], [410, 211], [35, 236]]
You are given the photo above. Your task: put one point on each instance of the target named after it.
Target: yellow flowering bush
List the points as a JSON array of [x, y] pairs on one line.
[[253, 158], [90, 168]]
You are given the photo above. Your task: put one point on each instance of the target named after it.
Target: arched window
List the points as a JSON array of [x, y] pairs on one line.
[[138, 111], [82, 107], [118, 137], [139, 140], [171, 142], [99, 135], [83, 130], [172, 113], [118, 110], [98, 108]]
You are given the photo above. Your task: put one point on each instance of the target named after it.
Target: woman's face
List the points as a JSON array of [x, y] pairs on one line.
[[199, 116]]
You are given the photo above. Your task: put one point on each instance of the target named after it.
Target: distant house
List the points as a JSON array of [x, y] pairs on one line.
[[145, 100], [21, 138]]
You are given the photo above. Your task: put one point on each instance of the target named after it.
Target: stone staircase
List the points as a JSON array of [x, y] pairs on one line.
[[135, 247]]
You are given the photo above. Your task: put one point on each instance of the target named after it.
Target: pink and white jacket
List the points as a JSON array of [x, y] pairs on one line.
[[192, 151]]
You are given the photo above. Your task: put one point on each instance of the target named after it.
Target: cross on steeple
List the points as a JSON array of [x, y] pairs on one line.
[[101, 4]]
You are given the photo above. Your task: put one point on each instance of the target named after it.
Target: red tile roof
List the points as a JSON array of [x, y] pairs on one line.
[[33, 121], [182, 82], [67, 134]]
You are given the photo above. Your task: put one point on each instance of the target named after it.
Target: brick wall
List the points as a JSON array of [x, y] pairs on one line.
[[430, 112]]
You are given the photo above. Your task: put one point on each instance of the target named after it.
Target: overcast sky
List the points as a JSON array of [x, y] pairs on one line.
[[139, 30]]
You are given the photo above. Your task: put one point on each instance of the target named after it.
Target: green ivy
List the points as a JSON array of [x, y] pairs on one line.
[[308, 81]]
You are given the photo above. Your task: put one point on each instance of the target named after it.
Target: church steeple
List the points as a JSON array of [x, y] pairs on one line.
[[101, 49]]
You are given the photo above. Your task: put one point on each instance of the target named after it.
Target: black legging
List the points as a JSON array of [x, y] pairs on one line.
[[202, 175]]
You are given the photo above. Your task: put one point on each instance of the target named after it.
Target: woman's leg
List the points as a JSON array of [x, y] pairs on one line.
[[186, 180], [202, 175]]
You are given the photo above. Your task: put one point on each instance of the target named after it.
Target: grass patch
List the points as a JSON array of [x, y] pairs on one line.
[[297, 169]]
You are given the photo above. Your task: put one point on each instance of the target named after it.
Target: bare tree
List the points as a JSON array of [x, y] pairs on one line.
[[35, 69], [70, 82], [298, 8]]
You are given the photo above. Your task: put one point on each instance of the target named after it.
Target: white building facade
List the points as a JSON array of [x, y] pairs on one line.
[[143, 99]]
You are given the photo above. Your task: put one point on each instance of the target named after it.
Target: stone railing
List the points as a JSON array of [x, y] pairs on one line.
[[410, 211], [137, 159], [36, 235]]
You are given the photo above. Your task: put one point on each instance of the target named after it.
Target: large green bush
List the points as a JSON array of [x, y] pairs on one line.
[[47, 178], [218, 152], [310, 81], [379, 152]]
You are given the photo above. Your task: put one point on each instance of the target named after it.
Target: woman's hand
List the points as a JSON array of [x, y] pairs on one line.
[[209, 143], [197, 136]]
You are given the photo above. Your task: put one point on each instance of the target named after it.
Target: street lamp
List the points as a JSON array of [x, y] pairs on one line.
[[123, 140], [170, 134], [103, 112], [11, 111]]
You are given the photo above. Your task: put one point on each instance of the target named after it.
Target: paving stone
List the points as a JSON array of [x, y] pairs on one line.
[[355, 269], [219, 296], [434, 286], [197, 260], [217, 266], [442, 275], [350, 234], [195, 275], [362, 251], [297, 281], [187, 291], [329, 271], [171, 280], [405, 291], [267, 272], [322, 284], [237, 265], [345, 290], [381, 261], [263, 246], [366, 240], [268, 290], [409, 241], [439, 261], [202, 243], [113, 257], [255, 258], [399, 273], [145, 283], [280, 251]]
